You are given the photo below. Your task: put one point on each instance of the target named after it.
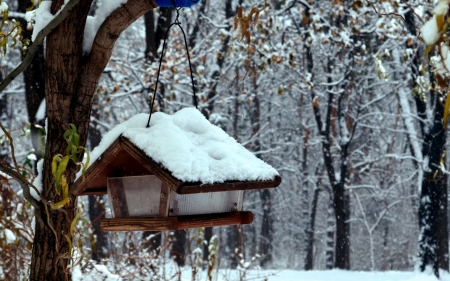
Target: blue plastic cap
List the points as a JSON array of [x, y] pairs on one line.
[[178, 3]]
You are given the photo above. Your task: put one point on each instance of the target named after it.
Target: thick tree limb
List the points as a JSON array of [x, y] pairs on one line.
[[103, 45], [35, 46]]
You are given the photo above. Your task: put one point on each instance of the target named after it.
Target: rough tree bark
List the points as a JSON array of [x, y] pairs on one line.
[[70, 82]]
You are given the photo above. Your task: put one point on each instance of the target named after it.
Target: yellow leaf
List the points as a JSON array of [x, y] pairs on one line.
[[440, 22], [62, 167], [56, 159], [60, 204], [5, 15], [74, 223], [69, 242], [428, 49], [446, 111], [3, 38], [31, 6], [65, 187]]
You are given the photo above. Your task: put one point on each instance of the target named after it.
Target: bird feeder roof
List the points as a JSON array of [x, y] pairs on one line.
[[184, 150]]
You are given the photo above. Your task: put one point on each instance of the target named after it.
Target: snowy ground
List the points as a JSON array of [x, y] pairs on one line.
[[273, 275]]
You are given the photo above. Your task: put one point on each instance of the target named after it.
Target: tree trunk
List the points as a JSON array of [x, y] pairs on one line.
[[265, 247], [220, 60], [309, 232], [341, 212], [178, 252], [154, 37], [207, 239], [329, 250], [70, 82], [433, 220]]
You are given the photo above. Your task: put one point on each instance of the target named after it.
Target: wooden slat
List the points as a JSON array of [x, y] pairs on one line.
[[95, 169], [164, 201], [176, 223], [197, 221], [227, 186], [116, 192], [138, 224], [114, 162]]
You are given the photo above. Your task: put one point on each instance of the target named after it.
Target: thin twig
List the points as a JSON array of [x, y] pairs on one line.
[[396, 14], [16, 174], [24, 184]]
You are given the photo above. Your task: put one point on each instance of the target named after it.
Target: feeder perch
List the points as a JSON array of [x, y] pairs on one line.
[[182, 172]]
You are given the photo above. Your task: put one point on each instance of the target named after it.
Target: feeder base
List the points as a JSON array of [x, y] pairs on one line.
[[175, 223]]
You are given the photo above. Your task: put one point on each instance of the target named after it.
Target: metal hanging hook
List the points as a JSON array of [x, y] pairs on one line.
[[176, 22]]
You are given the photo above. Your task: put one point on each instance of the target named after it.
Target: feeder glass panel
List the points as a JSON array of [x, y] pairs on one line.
[[205, 203], [134, 196]]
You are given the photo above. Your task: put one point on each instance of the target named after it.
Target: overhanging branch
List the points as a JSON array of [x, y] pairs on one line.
[[35, 46]]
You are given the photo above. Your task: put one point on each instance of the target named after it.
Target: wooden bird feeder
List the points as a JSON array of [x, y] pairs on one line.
[[144, 195]]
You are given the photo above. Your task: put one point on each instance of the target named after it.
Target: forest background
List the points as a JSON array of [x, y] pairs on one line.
[[341, 97]]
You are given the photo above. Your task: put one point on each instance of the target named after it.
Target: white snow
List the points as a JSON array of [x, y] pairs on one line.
[[3, 7], [441, 62], [42, 17], [190, 147], [413, 138], [341, 275], [10, 237], [94, 23], [40, 114], [32, 157], [37, 182], [429, 32], [441, 8], [100, 272], [382, 74], [276, 275]]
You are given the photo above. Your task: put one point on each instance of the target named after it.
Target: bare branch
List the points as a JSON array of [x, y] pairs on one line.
[[16, 173], [23, 183]]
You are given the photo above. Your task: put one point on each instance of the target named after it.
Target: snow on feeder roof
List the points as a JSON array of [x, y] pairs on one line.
[[184, 148]]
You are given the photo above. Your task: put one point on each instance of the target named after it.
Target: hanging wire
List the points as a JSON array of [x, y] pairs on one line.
[[176, 22]]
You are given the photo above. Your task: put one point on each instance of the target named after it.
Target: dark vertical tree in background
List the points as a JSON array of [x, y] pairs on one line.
[[96, 203], [433, 196], [34, 84]]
